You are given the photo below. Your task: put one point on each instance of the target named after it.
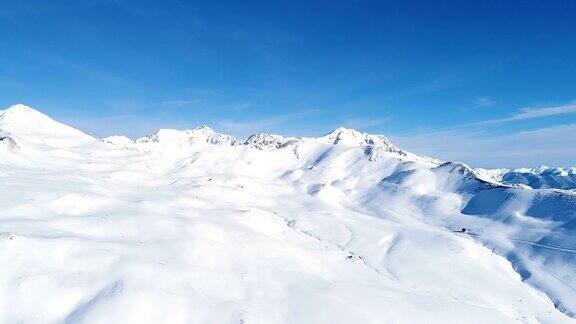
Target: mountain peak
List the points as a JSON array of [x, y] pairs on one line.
[[21, 108], [540, 169], [269, 141], [341, 133], [352, 137], [204, 128], [200, 134], [23, 113], [34, 126]]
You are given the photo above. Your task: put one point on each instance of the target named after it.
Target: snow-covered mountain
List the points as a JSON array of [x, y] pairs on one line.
[[197, 226], [542, 177], [38, 128]]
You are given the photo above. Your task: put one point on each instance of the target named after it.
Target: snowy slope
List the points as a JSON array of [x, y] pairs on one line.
[[196, 226]]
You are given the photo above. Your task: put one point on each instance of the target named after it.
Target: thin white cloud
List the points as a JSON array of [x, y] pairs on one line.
[[180, 102], [484, 101], [84, 70], [532, 113], [550, 146], [245, 127], [270, 124], [131, 125], [442, 82], [364, 122], [241, 106]]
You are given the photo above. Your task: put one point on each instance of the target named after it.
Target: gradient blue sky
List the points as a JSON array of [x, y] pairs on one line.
[[490, 83]]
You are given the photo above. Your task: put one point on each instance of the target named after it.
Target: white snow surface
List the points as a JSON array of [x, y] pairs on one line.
[[198, 227]]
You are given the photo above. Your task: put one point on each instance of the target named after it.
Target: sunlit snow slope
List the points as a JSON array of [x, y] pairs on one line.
[[198, 227]]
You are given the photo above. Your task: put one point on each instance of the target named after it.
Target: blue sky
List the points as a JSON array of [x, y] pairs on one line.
[[490, 83]]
